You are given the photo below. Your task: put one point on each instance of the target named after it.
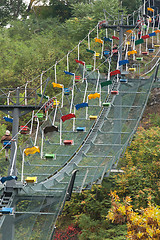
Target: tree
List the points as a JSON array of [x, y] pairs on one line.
[[10, 9], [131, 5], [60, 9], [63, 8], [34, 3]]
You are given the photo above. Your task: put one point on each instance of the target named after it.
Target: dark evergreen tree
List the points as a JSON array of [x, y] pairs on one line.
[[10, 9]]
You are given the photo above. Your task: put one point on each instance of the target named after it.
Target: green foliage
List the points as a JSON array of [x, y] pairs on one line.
[[131, 5], [94, 203], [10, 10], [95, 230], [142, 168], [86, 16], [95, 10], [88, 210], [60, 9], [155, 119]]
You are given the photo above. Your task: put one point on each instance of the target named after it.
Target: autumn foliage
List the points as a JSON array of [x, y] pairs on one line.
[[141, 167], [141, 224], [70, 233]]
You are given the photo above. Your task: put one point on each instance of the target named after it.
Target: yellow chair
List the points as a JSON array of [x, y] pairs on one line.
[[31, 179], [92, 117], [132, 69], [97, 54]]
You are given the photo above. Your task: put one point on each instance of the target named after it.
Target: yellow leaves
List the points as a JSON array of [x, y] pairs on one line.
[[150, 232], [141, 224], [110, 216], [114, 196], [128, 199], [122, 209], [139, 234], [158, 231], [129, 208], [148, 222]]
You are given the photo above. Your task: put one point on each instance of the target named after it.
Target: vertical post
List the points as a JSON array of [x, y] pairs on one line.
[[133, 18], [78, 49], [88, 41], [85, 92], [83, 72], [55, 72], [26, 93], [60, 132], [32, 122], [97, 30], [15, 128], [55, 112], [100, 95], [8, 99], [41, 78], [74, 120], [62, 97], [22, 166], [87, 110], [97, 80], [14, 159], [94, 58], [102, 50], [144, 9], [35, 141], [106, 33], [72, 93], [42, 144], [67, 62], [121, 40]]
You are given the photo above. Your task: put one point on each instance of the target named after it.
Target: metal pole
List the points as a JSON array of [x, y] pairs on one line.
[[42, 144], [121, 40], [22, 166], [15, 128], [35, 141], [78, 50], [74, 120], [26, 94], [60, 132]]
